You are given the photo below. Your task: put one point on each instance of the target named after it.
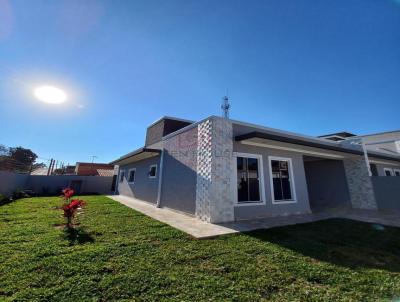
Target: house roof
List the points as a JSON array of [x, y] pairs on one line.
[[267, 133], [170, 118], [379, 133], [105, 172], [341, 134], [136, 155]]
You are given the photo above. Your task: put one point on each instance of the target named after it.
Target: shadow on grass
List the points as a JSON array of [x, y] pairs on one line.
[[77, 236], [341, 242]]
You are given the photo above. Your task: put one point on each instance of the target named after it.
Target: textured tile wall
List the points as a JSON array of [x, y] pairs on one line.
[[359, 182], [215, 169]]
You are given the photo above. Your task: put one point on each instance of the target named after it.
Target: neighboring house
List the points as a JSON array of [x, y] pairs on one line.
[[69, 170], [40, 171], [222, 170], [94, 169], [384, 142]]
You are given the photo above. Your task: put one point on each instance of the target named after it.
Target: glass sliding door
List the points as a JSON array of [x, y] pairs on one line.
[[248, 179]]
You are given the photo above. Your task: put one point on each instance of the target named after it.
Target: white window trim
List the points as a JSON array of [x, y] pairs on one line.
[[261, 180], [390, 171], [292, 182], [119, 176], [129, 175], [394, 172], [151, 166]]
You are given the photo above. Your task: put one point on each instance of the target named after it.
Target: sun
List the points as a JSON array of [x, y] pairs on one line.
[[50, 94]]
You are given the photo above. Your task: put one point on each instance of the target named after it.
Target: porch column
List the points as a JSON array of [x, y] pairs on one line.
[[362, 194], [215, 182]]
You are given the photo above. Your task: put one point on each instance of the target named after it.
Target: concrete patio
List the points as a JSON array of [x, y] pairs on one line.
[[201, 230]]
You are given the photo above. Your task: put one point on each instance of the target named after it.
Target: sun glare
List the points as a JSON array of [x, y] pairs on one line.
[[50, 94]]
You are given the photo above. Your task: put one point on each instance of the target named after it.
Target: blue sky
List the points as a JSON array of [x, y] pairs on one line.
[[312, 67]]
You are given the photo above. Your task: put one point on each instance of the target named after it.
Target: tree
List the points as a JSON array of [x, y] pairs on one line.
[[4, 151], [16, 159], [23, 156]]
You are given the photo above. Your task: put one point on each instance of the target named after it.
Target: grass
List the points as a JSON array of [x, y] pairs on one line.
[[119, 254]]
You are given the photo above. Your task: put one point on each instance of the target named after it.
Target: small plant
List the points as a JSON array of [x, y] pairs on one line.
[[70, 207], [70, 210]]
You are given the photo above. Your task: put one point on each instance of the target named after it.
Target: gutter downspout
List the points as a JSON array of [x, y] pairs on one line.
[[366, 157], [359, 142], [158, 204], [116, 180]]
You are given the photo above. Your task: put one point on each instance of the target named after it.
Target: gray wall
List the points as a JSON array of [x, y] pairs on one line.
[[53, 184], [380, 167], [270, 209], [144, 188], [180, 165], [10, 182], [327, 185], [387, 192]]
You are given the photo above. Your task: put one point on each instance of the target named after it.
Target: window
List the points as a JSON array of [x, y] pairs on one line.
[[121, 176], [388, 172], [249, 175], [131, 176], [153, 171], [282, 180], [396, 172]]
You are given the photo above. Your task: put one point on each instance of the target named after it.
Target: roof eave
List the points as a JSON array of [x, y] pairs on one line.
[[296, 141], [135, 153]]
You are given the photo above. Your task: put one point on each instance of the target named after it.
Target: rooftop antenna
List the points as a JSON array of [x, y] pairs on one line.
[[225, 107]]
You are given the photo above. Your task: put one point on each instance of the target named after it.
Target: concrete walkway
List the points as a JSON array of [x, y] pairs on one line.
[[188, 224], [201, 230]]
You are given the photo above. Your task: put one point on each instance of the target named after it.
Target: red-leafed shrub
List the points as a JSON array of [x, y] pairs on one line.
[[70, 210], [67, 194]]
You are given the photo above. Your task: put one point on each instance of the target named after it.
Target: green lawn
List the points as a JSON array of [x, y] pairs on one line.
[[119, 254]]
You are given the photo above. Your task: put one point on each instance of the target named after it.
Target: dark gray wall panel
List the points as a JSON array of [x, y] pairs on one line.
[[387, 192], [327, 185], [180, 177]]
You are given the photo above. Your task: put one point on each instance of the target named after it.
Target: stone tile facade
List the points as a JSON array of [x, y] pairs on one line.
[[215, 182], [361, 190]]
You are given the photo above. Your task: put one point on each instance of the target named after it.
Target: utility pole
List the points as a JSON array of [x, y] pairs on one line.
[[52, 167], [49, 169]]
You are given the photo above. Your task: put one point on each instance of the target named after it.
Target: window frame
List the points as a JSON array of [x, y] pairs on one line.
[[291, 181], [155, 175], [121, 179], [394, 172], [390, 171], [129, 175], [263, 200]]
